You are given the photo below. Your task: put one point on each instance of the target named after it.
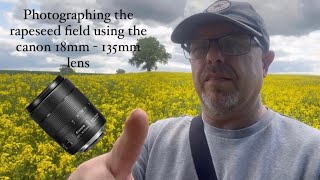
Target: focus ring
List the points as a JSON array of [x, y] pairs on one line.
[[66, 110]]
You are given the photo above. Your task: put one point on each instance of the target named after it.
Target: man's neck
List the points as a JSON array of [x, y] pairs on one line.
[[237, 119]]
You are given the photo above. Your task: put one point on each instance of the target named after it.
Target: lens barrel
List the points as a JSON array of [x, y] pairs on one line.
[[67, 116]]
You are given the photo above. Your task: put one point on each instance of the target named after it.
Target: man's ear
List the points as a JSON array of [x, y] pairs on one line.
[[267, 59]]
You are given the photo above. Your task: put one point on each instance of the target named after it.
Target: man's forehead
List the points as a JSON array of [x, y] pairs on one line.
[[216, 29]]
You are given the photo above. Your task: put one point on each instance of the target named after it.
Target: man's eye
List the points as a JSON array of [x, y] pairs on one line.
[[199, 50], [232, 44]]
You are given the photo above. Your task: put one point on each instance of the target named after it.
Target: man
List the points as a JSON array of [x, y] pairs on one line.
[[228, 49]]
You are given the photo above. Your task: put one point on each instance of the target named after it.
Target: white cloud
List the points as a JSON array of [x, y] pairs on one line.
[[9, 1], [3, 32], [19, 54], [297, 47]]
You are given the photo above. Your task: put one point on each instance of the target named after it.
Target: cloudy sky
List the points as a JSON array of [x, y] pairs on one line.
[[294, 27]]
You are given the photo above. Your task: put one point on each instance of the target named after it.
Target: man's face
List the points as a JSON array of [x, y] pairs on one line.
[[224, 82]]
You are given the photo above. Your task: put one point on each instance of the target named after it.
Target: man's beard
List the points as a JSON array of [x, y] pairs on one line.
[[226, 100], [223, 104]]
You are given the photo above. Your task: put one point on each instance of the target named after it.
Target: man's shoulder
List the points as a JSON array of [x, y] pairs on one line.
[[300, 130], [170, 128]]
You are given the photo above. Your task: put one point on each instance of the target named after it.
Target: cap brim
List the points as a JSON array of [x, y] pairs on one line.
[[186, 29]]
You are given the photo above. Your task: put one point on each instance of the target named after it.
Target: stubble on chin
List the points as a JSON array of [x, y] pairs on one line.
[[217, 106], [218, 99]]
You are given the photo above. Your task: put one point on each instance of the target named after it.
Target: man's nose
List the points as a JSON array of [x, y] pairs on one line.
[[214, 54]]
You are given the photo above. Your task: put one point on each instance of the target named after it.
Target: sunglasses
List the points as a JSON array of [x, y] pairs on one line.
[[230, 45]]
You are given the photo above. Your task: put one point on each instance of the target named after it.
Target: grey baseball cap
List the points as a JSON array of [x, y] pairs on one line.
[[241, 14]]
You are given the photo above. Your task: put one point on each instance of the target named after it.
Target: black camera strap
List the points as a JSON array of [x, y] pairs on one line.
[[200, 150]]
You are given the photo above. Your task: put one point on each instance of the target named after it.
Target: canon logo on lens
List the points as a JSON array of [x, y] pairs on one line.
[[67, 116]]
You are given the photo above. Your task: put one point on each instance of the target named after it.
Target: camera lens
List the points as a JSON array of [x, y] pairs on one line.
[[67, 116]]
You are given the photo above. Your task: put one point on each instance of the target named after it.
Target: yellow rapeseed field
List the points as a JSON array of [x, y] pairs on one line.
[[26, 152]]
